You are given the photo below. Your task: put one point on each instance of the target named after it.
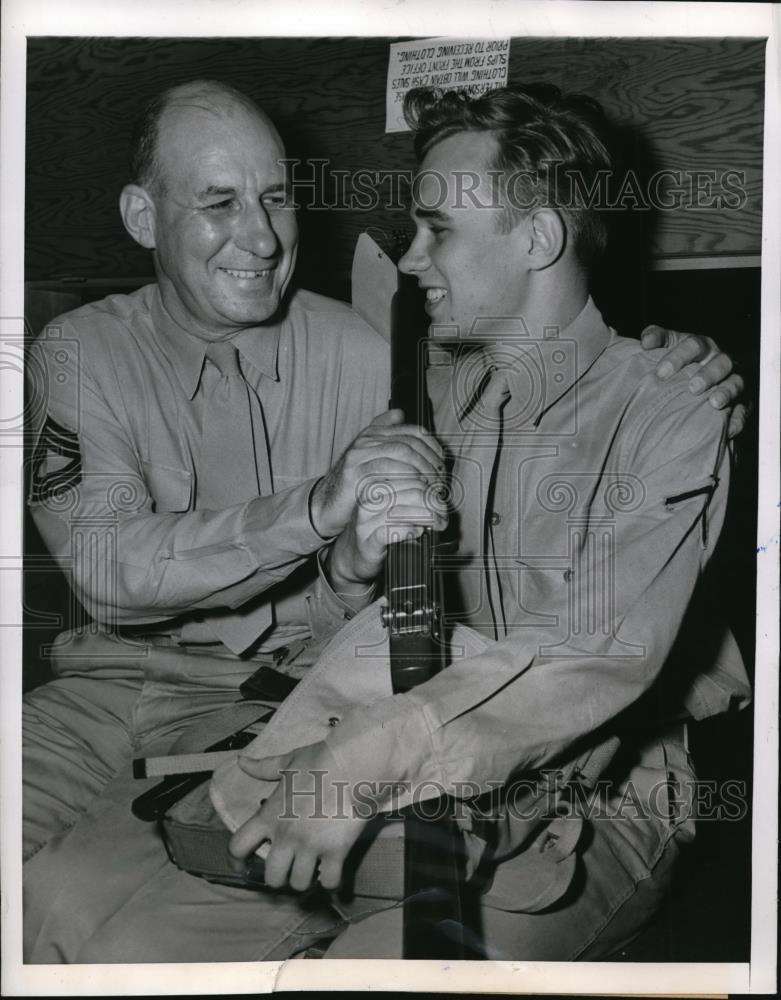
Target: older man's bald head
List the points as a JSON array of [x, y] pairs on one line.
[[209, 96]]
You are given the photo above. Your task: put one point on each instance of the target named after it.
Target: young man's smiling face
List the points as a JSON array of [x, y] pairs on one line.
[[462, 256], [225, 234]]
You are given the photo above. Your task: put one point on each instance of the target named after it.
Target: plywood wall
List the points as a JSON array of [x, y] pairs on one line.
[[685, 104]]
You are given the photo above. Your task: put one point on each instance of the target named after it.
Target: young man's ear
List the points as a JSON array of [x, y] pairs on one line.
[[138, 214], [547, 238]]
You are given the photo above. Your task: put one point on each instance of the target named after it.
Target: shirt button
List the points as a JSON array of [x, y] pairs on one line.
[[495, 518], [334, 721], [348, 615]]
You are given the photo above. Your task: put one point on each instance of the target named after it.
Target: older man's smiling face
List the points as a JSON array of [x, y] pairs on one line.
[[225, 234]]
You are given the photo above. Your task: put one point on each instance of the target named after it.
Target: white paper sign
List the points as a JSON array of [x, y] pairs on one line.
[[471, 64]]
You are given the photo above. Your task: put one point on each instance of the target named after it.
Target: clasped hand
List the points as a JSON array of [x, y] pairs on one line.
[[386, 485]]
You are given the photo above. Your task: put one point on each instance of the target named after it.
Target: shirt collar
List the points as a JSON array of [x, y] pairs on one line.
[[258, 344], [564, 358], [538, 372]]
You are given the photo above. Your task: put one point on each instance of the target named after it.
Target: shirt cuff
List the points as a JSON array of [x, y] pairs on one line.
[[278, 529], [325, 538], [329, 610], [386, 753]]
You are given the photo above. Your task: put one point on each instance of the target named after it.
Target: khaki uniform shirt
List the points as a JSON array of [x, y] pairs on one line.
[[115, 393], [587, 507]]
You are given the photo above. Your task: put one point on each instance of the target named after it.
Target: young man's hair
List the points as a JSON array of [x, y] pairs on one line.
[[552, 149]]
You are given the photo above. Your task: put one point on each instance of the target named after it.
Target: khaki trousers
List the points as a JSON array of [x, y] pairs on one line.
[[98, 884]]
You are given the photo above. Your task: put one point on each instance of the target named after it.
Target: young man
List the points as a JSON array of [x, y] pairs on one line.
[[195, 572], [589, 497]]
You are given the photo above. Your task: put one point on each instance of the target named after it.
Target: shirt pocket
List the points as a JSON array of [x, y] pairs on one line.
[[695, 497], [695, 493], [171, 488]]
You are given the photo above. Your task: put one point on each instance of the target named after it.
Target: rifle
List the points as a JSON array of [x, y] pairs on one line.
[[434, 859]]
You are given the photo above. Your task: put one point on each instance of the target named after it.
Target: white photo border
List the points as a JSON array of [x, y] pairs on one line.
[[416, 18]]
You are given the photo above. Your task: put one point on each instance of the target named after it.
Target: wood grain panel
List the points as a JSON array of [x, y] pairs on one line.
[[689, 104], [682, 104]]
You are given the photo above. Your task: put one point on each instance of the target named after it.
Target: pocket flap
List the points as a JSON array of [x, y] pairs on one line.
[[541, 874]]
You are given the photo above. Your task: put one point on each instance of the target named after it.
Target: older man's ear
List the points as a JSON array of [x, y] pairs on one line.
[[138, 214]]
